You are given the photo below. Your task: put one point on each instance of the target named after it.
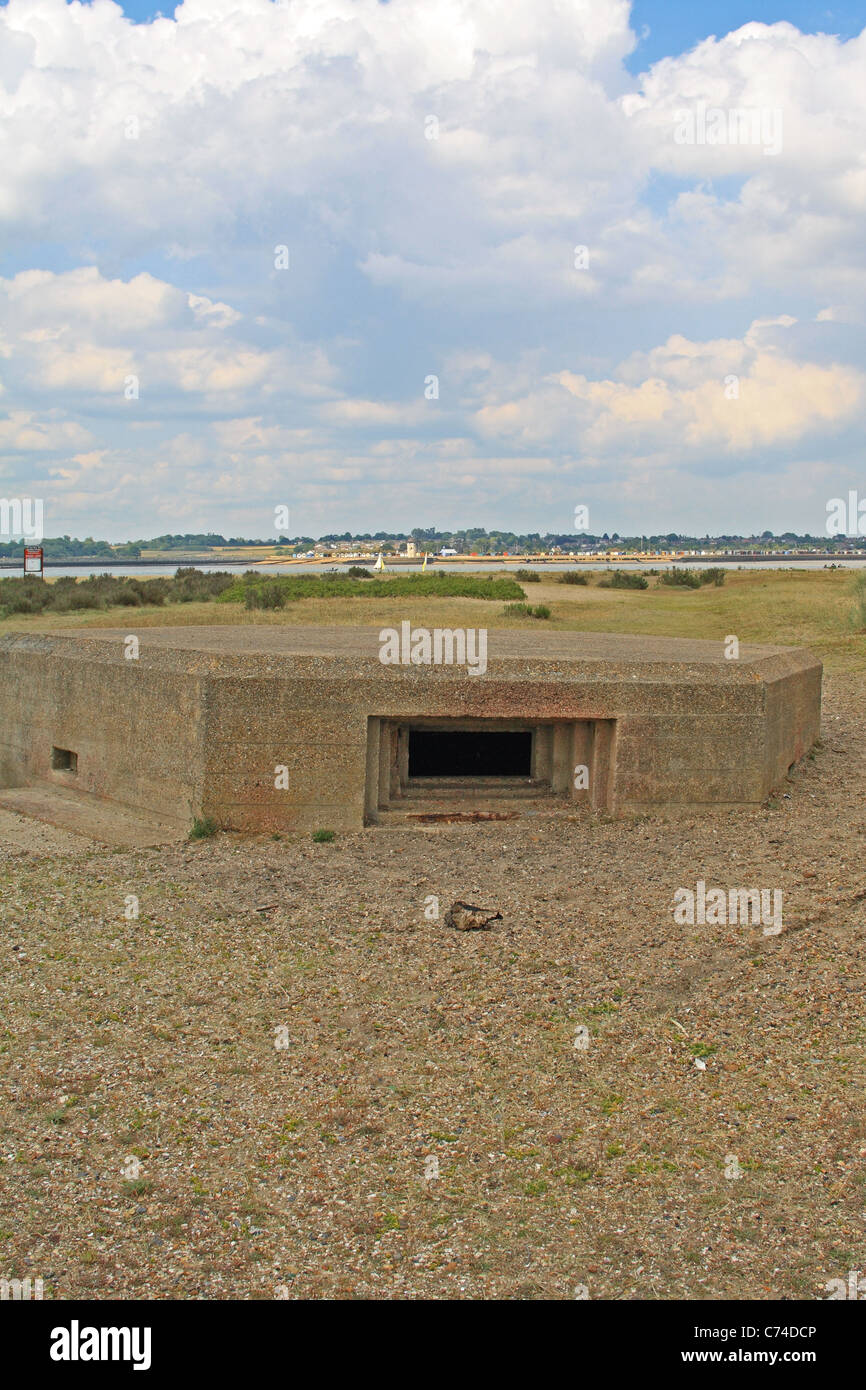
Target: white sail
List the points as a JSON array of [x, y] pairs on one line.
[[380, 563]]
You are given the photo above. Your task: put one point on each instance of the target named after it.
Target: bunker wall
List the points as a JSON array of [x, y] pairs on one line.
[[135, 734], [311, 733], [793, 722], [689, 760]]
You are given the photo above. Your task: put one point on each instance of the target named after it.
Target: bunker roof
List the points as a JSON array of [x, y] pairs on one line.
[[269, 648]]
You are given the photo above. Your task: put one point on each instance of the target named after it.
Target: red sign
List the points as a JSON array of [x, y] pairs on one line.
[[33, 560]]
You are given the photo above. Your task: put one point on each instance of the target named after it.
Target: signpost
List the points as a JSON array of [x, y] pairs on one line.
[[34, 561]]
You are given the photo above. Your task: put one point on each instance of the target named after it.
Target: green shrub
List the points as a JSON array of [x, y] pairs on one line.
[[358, 572], [526, 610], [433, 584], [265, 596], [18, 604], [196, 586], [153, 591], [77, 599], [203, 827], [527, 576], [714, 575], [136, 1187], [105, 591], [127, 597], [680, 578], [71, 594], [324, 837], [624, 579], [574, 577], [26, 595]]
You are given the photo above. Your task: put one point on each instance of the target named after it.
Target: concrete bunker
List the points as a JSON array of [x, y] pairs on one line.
[[281, 728]]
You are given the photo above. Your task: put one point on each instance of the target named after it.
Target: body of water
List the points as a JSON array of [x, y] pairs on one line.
[[150, 570]]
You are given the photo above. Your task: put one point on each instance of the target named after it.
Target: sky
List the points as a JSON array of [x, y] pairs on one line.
[[431, 263]]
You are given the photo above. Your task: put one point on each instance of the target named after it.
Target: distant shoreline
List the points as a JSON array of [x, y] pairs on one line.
[[745, 557]]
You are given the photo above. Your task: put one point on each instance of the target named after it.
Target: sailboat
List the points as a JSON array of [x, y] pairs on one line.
[[380, 563], [424, 566]]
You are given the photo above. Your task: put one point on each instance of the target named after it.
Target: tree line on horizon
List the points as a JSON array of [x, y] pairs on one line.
[[473, 540]]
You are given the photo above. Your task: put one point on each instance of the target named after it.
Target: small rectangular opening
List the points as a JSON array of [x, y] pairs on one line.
[[484, 766], [469, 753], [64, 760]]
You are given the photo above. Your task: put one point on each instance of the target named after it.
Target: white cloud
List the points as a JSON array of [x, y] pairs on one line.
[[201, 143], [722, 396], [81, 335], [23, 432]]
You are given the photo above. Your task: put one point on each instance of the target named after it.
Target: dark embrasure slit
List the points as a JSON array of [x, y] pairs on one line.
[[461, 753]]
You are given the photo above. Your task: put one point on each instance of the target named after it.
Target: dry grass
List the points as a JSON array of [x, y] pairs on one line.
[[788, 607]]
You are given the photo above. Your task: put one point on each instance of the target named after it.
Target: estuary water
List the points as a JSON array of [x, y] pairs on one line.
[[168, 567]]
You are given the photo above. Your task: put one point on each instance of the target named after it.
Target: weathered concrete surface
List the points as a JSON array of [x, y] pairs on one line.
[[23, 831], [90, 817], [199, 724]]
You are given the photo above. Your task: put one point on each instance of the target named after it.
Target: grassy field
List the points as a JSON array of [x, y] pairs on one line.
[[789, 607]]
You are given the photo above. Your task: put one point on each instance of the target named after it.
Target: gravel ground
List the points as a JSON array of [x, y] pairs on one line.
[[284, 1079]]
